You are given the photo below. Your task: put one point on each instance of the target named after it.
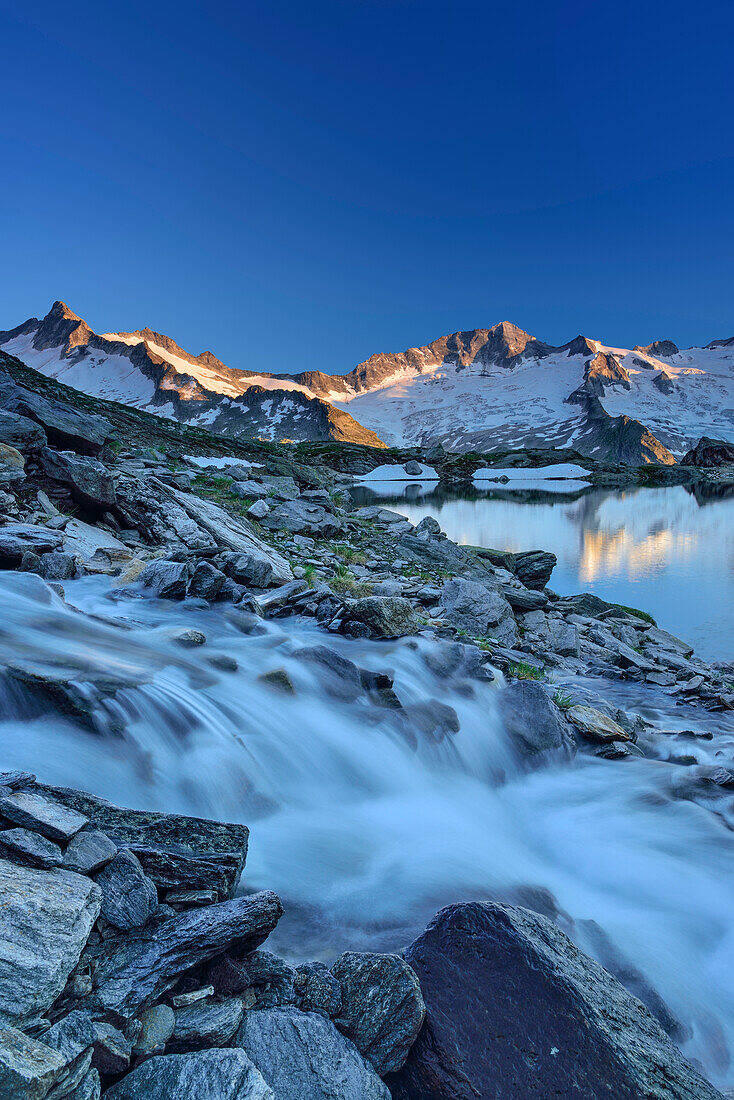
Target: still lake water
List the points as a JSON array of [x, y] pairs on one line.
[[668, 551]]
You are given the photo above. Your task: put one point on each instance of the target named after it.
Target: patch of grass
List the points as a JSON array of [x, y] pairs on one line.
[[348, 553], [562, 700], [346, 584], [219, 489], [636, 611], [308, 573], [524, 671]]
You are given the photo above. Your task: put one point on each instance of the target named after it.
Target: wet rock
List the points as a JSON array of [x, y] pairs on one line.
[[200, 1075], [168, 579], [384, 616], [134, 970], [317, 990], [88, 852], [189, 639], [433, 720], [534, 723], [206, 1025], [340, 677], [382, 1007], [16, 779], [302, 1056], [249, 569], [32, 811], [29, 849], [129, 897], [279, 680], [534, 567], [177, 852], [156, 1028], [46, 919], [17, 538], [57, 566], [596, 726], [454, 659], [206, 581], [512, 1005]]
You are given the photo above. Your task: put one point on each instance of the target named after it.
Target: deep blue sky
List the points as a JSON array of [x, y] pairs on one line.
[[302, 184]]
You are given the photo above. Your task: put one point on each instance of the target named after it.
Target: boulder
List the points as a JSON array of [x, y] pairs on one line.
[[201, 1075], [596, 726], [56, 566], [12, 464], [317, 990], [73, 1038], [534, 724], [64, 425], [206, 581], [382, 1007], [514, 1009], [534, 567], [129, 897], [302, 518], [563, 637], [112, 1049], [710, 452], [470, 606], [211, 1024], [17, 538], [28, 1069], [250, 569], [249, 490], [258, 510], [384, 616], [88, 851], [21, 432], [156, 1028], [302, 1056], [168, 579], [135, 969], [88, 480], [46, 919], [177, 852]]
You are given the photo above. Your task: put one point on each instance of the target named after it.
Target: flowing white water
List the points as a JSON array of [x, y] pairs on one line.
[[362, 833]]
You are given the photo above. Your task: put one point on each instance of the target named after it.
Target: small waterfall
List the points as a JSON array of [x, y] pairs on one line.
[[364, 825]]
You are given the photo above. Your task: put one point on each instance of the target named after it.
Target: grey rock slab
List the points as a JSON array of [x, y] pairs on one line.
[[129, 897], [382, 1006], [30, 849], [17, 538], [304, 518], [73, 1038], [41, 815], [471, 606], [28, 1069], [88, 851], [534, 567], [200, 1026], [46, 919], [177, 852], [135, 969], [534, 723], [112, 1049], [200, 1075], [514, 1009], [64, 425], [89, 1088], [21, 432], [302, 1056], [384, 616]]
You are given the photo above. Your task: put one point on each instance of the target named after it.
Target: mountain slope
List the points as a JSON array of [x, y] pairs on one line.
[[482, 389]]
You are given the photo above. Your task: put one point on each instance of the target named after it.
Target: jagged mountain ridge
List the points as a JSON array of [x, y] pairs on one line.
[[480, 389]]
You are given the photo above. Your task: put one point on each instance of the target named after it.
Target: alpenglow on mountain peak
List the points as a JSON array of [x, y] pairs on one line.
[[481, 389]]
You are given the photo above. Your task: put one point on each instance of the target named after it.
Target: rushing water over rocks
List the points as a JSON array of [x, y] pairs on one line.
[[365, 822]]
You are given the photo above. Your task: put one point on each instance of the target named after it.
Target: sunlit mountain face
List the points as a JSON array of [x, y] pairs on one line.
[[477, 390]]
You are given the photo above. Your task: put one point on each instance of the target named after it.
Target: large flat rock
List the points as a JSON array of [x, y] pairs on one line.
[[514, 1009], [203, 1075], [45, 919]]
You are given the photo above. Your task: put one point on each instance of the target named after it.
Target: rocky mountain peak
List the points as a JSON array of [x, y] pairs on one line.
[[658, 348], [61, 327]]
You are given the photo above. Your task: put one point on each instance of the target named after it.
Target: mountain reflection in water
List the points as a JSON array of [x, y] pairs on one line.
[[669, 551]]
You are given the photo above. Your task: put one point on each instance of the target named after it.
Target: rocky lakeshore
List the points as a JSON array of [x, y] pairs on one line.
[[133, 962]]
